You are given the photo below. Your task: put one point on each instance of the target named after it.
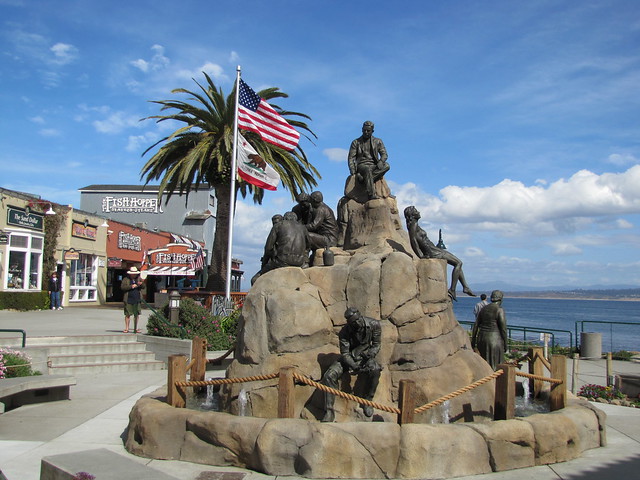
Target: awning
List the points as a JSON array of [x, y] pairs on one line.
[[170, 271]]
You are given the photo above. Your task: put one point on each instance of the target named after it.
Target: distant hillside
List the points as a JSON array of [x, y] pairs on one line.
[[581, 294]]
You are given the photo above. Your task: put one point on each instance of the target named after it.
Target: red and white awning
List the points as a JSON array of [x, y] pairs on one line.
[[170, 271]]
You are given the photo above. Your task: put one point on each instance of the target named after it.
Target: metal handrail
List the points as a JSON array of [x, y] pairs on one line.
[[611, 324], [17, 330], [524, 329]]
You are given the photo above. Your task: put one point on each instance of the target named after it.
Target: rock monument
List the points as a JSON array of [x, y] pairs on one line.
[[291, 317]]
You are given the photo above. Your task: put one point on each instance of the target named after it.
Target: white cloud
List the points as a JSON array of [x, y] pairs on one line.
[[157, 62], [336, 154], [215, 71], [622, 159], [63, 53], [116, 122], [139, 143], [234, 57], [567, 204], [49, 132], [565, 249], [37, 119], [622, 223]]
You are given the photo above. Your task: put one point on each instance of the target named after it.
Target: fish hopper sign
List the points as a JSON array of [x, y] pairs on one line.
[[172, 259]]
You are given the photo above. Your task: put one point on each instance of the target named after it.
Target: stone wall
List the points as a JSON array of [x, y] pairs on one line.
[[361, 449]]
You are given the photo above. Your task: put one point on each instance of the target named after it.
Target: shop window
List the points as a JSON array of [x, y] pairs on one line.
[[83, 278], [24, 266]]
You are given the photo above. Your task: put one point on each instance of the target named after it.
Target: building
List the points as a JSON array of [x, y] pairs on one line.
[[192, 217]]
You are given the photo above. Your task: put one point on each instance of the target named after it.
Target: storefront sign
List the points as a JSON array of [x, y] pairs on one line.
[[131, 205], [22, 218], [82, 231], [172, 259], [128, 241], [114, 262], [71, 255]]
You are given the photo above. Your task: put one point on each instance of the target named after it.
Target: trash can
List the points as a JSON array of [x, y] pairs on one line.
[[591, 345]]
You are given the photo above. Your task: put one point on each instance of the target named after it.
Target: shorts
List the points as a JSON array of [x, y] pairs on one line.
[[131, 309]]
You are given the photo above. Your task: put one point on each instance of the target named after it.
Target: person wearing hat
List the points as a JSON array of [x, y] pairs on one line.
[[131, 286]]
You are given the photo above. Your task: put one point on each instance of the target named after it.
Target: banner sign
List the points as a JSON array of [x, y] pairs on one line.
[[20, 218], [131, 205], [88, 232]]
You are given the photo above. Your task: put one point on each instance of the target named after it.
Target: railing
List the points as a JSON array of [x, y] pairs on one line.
[[519, 328], [504, 407], [602, 322], [216, 301], [17, 330]]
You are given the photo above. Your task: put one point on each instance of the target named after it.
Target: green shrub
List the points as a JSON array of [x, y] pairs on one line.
[[24, 301], [196, 321], [14, 363], [622, 355]]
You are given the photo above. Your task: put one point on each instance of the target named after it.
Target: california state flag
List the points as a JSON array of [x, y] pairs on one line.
[[252, 167]]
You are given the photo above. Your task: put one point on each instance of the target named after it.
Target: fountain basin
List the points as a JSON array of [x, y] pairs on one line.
[[361, 449]]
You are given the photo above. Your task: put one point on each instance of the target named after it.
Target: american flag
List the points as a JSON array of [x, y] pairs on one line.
[[198, 261], [258, 116]]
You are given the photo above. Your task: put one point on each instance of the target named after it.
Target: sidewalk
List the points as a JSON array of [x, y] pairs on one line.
[[97, 414]]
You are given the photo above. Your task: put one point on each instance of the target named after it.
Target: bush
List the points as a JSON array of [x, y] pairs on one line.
[[598, 391], [622, 355], [14, 363], [194, 320], [24, 301]]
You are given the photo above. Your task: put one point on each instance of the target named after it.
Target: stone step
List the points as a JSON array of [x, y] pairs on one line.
[[103, 464], [98, 368], [80, 348], [80, 339], [96, 358]]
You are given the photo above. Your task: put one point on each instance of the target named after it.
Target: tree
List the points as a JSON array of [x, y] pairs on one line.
[[200, 152]]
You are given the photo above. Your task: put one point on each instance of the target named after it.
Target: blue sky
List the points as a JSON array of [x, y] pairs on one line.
[[513, 126]]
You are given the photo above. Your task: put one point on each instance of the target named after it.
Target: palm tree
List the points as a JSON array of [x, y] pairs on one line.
[[200, 152]]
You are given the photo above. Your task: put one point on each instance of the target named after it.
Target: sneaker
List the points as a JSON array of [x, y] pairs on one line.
[[59, 308]]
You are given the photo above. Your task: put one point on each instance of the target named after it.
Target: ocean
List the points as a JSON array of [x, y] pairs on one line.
[[560, 314]]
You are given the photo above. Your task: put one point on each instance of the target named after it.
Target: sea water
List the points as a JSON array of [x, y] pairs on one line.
[[563, 314]]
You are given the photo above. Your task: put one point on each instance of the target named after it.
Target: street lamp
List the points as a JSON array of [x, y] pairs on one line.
[[174, 307]]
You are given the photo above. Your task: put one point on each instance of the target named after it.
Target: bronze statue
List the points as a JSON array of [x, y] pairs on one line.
[[323, 227], [489, 334], [359, 344], [286, 245], [302, 209], [424, 248], [368, 159]]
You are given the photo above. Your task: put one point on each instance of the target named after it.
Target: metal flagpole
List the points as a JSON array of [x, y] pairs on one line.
[[232, 195]]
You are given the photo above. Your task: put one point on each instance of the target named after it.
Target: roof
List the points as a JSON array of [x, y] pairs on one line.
[[134, 188]]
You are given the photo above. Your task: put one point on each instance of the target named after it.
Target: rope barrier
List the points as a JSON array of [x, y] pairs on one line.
[[348, 396], [215, 361], [544, 361], [460, 391], [539, 377], [226, 381]]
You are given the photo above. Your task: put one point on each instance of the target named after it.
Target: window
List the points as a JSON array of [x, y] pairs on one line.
[[24, 266], [83, 278]]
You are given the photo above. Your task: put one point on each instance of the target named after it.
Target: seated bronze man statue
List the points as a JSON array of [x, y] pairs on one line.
[[359, 344]]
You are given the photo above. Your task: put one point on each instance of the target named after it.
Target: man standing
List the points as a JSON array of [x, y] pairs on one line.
[[131, 286], [54, 292], [480, 305], [368, 159], [359, 344]]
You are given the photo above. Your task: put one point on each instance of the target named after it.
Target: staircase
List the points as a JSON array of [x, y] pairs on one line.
[[93, 354]]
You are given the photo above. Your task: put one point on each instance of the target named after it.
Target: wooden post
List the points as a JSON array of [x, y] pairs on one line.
[[609, 369], [505, 402], [574, 375], [536, 368], [558, 394], [286, 403], [177, 364], [199, 354], [406, 401]]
